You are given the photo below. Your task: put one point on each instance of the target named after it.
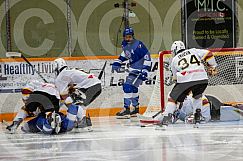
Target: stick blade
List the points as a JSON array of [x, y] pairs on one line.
[[149, 121], [13, 54]]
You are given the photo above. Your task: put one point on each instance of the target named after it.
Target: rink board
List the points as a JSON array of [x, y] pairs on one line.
[[15, 73]]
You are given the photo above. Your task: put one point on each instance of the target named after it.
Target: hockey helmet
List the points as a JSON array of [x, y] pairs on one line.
[[176, 47], [128, 31], [59, 65]]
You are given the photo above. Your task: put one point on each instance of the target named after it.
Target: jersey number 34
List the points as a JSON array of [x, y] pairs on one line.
[[184, 63]]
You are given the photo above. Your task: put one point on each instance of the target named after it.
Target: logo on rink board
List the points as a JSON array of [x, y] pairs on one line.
[[118, 79], [24, 68]]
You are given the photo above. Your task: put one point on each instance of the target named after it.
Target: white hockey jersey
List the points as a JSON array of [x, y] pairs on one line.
[[187, 66], [73, 76], [40, 86], [187, 107]]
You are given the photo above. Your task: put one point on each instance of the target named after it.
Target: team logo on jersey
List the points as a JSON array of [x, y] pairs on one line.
[[183, 73], [128, 54]]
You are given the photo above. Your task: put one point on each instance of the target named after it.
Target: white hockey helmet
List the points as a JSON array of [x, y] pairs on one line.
[[59, 65], [176, 47]]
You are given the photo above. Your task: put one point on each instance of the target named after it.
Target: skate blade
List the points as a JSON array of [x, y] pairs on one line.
[[123, 117], [196, 125], [11, 132], [146, 125], [134, 115], [162, 128], [85, 129]]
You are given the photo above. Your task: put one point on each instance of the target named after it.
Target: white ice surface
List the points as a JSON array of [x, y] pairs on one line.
[[121, 140]]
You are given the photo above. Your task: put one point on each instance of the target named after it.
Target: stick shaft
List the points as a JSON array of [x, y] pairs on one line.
[[27, 61]]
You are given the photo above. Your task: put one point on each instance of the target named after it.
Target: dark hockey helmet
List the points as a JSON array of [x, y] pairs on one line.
[[128, 31]]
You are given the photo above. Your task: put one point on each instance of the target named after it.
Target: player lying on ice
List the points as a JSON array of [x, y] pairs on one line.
[[45, 96], [190, 75], [212, 110], [139, 59], [53, 122], [42, 100]]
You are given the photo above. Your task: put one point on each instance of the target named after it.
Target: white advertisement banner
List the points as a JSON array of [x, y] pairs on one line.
[[14, 75]]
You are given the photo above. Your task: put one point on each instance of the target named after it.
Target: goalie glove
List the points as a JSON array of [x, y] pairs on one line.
[[212, 71]]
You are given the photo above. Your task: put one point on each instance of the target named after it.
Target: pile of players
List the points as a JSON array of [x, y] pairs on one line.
[[74, 88]]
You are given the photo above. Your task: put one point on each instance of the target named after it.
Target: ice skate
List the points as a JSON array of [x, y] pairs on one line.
[[165, 122], [13, 127], [134, 112], [197, 118], [123, 114], [84, 123]]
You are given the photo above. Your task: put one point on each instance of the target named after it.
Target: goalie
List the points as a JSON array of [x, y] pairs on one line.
[[212, 110], [190, 75]]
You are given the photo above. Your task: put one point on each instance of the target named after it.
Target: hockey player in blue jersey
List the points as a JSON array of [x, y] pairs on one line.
[[52, 122], [139, 59]]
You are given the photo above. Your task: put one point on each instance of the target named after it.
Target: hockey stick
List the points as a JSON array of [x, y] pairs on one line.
[[16, 54], [157, 114], [102, 71]]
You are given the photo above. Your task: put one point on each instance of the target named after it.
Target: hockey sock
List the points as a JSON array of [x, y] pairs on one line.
[[72, 112], [22, 114], [81, 112], [170, 108], [197, 104]]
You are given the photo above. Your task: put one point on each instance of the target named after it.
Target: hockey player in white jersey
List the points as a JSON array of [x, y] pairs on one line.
[[37, 97], [190, 75], [82, 87]]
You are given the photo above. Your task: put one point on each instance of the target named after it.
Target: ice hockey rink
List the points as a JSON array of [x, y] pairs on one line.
[[125, 140]]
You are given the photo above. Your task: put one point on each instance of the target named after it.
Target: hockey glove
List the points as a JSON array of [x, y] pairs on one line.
[[144, 74], [116, 66], [212, 71]]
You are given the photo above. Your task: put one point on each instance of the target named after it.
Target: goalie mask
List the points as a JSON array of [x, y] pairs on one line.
[[176, 47], [59, 65]]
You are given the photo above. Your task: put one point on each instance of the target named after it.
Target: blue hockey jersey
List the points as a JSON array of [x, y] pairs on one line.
[[137, 54]]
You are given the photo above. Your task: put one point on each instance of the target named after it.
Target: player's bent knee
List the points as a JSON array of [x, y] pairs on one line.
[[171, 100]]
